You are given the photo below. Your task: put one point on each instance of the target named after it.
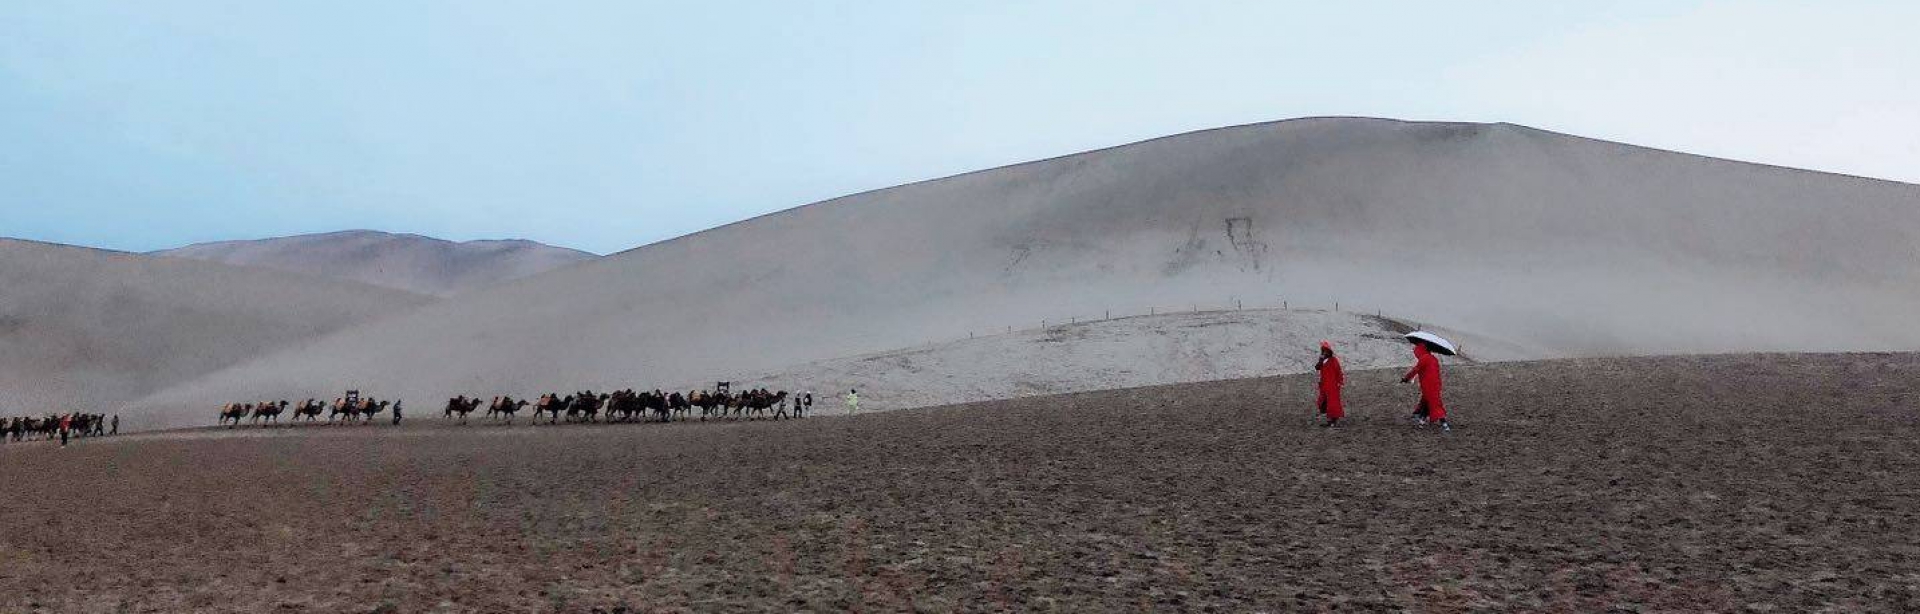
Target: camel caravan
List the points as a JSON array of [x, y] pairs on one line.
[[27, 428], [349, 409], [583, 406], [628, 405]]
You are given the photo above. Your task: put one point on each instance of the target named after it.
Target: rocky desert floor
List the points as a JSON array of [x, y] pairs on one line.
[[1782, 483]]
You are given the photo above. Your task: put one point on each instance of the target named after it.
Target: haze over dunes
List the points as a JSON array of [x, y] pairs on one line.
[[408, 262], [86, 329], [1561, 245]]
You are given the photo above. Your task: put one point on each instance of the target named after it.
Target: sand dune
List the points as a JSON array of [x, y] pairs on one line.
[[408, 262], [90, 329], [1567, 245]]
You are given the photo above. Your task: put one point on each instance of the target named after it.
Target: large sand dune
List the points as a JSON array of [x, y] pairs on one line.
[[1568, 245], [90, 329], [408, 262]]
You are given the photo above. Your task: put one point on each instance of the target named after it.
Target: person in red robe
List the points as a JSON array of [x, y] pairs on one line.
[[1331, 379], [1427, 369]]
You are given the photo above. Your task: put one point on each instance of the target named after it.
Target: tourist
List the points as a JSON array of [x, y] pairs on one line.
[[1331, 379], [1427, 369]]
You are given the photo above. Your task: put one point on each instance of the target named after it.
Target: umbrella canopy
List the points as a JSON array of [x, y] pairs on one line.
[[1434, 342]]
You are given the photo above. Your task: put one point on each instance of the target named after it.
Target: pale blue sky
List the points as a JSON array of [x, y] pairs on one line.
[[608, 125]]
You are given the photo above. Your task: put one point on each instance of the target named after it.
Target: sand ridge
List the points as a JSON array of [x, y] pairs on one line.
[[408, 262]]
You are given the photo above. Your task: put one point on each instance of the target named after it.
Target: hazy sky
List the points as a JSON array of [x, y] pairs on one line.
[[608, 125]]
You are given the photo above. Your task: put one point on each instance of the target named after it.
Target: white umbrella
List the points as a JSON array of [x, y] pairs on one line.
[[1434, 342]]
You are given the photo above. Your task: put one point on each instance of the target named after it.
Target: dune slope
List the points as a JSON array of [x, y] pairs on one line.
[[1565, 245], [85, 329]]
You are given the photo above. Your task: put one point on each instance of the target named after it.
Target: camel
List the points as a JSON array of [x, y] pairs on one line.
[[585, 406], [234, 412], [462, 405], [780, 405], [369, 409], [623, 405], [309, 409], [710, 403], [552, 405], [677, 405], [756, 402], [660, 404], [505, 406], [269, 410], [342, 408]]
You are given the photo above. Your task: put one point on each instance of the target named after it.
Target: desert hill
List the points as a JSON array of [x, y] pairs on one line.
[[1564, 245], [91, 329], [408, 262]]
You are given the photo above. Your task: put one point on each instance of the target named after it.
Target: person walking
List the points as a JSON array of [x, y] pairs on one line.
[[66, 426], [1332, 378], [116, 425], [853, 402], [396, 412], [1427, 369]]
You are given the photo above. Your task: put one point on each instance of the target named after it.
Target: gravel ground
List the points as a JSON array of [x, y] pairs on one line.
[[1785, 483]]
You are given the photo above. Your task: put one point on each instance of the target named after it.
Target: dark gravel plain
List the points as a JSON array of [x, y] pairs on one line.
[[1766, 483]]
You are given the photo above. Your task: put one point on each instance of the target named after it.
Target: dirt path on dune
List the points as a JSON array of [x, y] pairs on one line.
[[1769, 483]]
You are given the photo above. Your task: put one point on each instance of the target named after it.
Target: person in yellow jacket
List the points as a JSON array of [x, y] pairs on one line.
[[853, 402]]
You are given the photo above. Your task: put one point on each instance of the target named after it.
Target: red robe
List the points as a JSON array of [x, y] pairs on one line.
[[1427, 368], [1331, 379]]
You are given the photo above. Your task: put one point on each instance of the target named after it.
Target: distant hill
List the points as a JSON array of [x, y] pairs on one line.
[[408, 262], [90, 329], [1561, 245]]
